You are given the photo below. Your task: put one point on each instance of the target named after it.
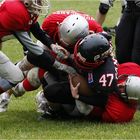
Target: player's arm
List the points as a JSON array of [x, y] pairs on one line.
[[81, 92], [39, 57], [103, 9], [47, 41], [95, 99], [41, 35], [25, 40]]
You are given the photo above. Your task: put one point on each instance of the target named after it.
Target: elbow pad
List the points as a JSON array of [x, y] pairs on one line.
[[103, 8]]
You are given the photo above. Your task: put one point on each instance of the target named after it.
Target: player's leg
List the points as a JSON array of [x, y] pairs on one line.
[[123, 40], [102, 11], [136, 46], [30, 83], [10, 74]]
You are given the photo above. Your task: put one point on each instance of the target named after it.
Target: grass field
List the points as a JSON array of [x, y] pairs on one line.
[[20, 121]]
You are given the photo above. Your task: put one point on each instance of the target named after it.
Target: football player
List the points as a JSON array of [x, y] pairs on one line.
[[98, 69], [13, 22], [101, 96]]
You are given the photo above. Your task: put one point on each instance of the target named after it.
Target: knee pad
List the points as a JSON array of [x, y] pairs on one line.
[[33, 77], [103, 8]]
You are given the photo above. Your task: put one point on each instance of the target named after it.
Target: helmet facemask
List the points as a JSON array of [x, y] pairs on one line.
[[37, 6]]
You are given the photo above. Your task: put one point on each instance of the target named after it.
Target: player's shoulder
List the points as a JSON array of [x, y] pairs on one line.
[[109, 64], [16, 9]]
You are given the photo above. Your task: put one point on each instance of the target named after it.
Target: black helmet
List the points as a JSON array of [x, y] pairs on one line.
[[90, 52]]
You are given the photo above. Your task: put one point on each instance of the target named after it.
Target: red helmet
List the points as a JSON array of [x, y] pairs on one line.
[[91, 52]]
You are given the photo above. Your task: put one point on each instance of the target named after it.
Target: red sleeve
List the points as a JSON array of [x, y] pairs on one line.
[[14, 16]]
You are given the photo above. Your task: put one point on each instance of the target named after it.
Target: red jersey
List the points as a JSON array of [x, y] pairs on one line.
[[128, 68], [14, 17], [50, 24]]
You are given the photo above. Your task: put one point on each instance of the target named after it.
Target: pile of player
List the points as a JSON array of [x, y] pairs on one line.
[[73, 60]]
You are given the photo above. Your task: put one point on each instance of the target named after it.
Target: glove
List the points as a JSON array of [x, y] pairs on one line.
[[60, 51], [106, 35], [64, 67], [110, 30]]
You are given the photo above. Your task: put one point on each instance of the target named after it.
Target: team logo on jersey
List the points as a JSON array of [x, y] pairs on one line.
[[90, 78]]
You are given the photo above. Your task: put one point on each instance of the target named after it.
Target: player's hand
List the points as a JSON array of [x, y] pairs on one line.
[[74, 89], [60, 51]]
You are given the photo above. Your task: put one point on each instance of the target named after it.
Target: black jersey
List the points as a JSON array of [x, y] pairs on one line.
[[104, 78]]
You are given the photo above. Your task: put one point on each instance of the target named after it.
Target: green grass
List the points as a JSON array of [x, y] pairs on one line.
[[20, 122]]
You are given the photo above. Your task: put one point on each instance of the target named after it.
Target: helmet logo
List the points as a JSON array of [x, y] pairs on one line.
[[81, 57], [96, 57]]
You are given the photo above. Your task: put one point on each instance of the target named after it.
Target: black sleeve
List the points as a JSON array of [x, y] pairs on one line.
[[95, 99], [40, 34]]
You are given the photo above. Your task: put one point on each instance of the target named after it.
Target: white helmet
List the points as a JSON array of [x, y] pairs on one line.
[[72, 29], [132, 87], [37, 6]]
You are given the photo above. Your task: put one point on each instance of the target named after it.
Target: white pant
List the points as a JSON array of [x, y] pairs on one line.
[[9, 72]]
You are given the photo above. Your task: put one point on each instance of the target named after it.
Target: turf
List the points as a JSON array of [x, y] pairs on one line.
[[20, 121]]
